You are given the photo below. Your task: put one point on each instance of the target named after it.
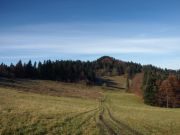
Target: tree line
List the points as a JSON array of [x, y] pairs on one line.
[[67, 71], [70, 71], [161, 87]]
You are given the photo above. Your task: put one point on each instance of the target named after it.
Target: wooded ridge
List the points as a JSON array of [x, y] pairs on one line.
[[160, 87]]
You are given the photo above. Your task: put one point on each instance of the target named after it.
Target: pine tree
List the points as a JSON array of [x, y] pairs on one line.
[[150, 89], [19, 70], [29, 69]]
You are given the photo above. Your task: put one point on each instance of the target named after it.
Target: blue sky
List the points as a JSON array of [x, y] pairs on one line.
[[142, 31]]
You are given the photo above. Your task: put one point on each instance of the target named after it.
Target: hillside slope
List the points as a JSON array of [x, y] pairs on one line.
[[114, 112]]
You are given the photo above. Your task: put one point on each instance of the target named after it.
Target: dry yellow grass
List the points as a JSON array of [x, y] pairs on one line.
[[28, 113], [131, 111], [116, 112], [54, 88]]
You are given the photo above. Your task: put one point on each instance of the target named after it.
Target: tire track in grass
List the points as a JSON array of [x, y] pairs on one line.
[[69, 119], [123, 128], [102, 129], [122, 125], [77, 115], [87, 120], [76, 124], [103, 124], [109, 128]]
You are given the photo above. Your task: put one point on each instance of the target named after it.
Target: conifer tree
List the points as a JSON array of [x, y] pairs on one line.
[[150, 89]]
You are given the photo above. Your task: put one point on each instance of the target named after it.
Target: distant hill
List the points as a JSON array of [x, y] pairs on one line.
[[106, 59], [148, 81]]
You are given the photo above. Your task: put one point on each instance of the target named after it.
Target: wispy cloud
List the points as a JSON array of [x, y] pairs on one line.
[[53, 40], [92, 45]]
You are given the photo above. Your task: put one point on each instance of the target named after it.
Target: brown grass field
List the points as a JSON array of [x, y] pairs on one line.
[[41, 107]]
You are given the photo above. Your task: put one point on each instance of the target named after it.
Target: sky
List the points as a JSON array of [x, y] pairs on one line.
[[142, 31]]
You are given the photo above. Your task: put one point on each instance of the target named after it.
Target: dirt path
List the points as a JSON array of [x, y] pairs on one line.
[[113, 125], [109, 128], [121, 125]]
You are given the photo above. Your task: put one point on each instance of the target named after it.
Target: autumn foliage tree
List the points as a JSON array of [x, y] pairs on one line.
[[169, 92]]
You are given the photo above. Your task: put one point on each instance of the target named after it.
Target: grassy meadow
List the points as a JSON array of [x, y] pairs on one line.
[[129, 110], [28, 113], [112, 111]]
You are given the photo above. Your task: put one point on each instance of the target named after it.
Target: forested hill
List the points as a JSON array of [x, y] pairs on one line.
[[160, 87], [70, 71], [75, 71]]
